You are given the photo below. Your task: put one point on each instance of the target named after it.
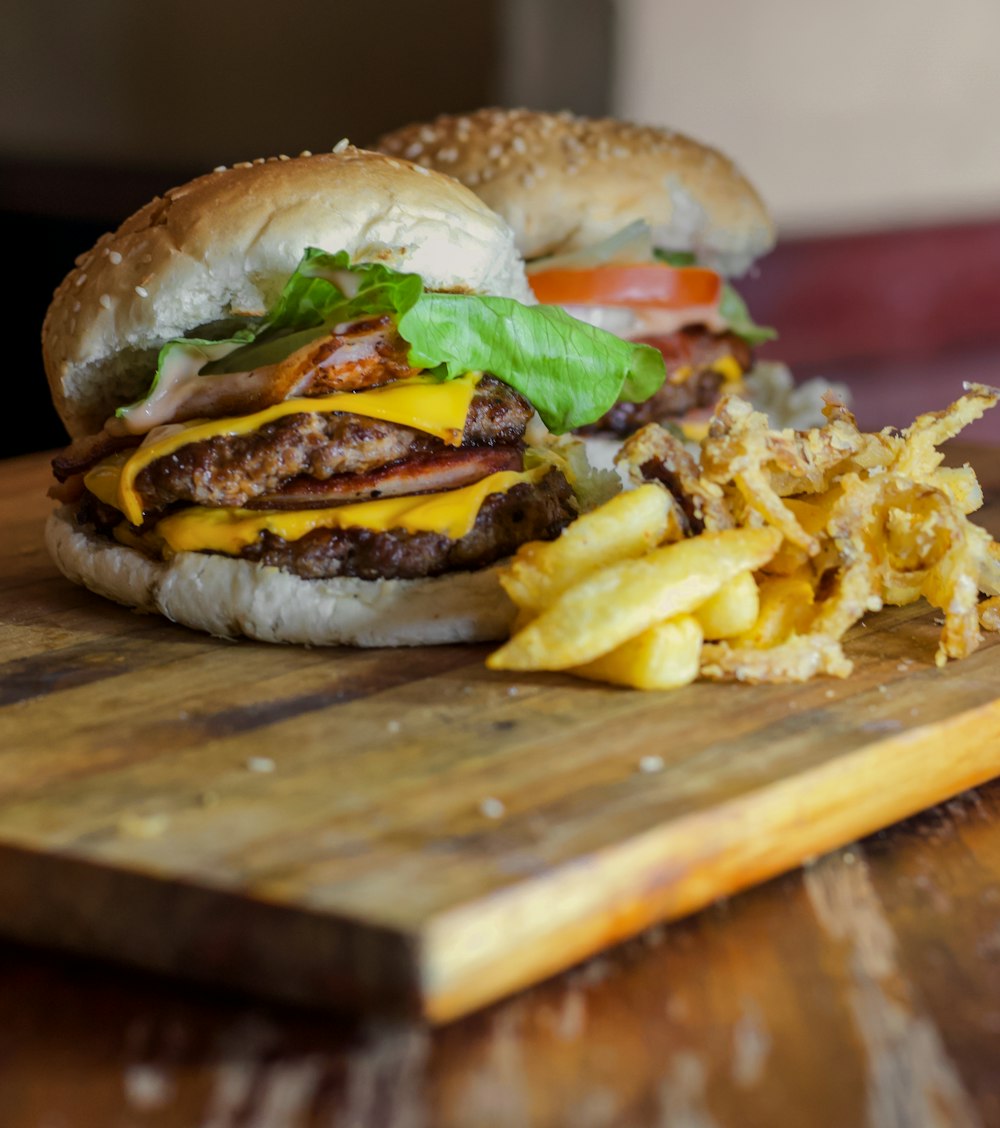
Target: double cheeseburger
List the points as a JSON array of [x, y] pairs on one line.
[[297, 392], [631, 228]]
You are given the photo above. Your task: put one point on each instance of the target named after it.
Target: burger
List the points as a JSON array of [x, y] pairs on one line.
[[297, 392], [630, 228]]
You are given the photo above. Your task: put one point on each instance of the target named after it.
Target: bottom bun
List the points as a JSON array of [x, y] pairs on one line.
[[229, 597]]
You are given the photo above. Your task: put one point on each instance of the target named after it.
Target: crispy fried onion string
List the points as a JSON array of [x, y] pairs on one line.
[[866, 520]]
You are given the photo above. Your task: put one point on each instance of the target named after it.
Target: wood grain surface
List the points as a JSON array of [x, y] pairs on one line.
[[317, 825], [863, 990]]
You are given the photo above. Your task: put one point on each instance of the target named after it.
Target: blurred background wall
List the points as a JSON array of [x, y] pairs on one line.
[[847, 115], [870, 126]]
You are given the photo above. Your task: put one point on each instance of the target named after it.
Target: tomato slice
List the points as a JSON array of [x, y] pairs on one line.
[[646, 284]]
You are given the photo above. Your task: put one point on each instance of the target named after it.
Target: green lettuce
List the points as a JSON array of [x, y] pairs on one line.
[[570, 372], [734, 309], [731, 306]]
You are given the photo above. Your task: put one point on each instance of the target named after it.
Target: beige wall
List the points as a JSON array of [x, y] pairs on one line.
[[853, 113]]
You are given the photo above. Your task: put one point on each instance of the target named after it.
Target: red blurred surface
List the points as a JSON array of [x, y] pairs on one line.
[[902, 317]]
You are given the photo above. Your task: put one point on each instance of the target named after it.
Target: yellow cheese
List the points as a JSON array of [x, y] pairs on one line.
[[437, 408], [681, 375], [102, 480], [695, 432], [728, 368], [227, 531]]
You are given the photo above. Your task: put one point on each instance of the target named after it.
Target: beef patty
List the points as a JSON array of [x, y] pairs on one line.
[[230, 470], [694, 348], [504, 522]]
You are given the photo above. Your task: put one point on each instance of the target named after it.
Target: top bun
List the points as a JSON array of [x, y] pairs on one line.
[[565, 182], [223, 246]]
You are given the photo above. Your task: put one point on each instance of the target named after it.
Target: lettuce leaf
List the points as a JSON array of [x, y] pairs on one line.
[[734, 309], [570, 372], [731, 306], [324, 291]]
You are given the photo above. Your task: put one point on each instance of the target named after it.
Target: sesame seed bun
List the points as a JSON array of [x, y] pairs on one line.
[[564, 183], [222, 247]]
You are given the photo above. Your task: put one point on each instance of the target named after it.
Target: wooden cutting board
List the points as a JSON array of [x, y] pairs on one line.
[[405, 828]]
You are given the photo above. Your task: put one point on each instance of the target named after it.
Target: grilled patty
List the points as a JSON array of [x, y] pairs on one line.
[[230, 470], [696, 349], [505, 521]]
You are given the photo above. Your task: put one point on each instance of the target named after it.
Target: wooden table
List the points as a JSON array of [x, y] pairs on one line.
[[862, 989]]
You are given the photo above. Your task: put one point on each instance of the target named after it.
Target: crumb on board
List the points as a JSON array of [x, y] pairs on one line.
[[134, 824]]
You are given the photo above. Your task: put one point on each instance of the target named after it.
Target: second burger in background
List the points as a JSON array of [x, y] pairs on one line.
[[631, 228]]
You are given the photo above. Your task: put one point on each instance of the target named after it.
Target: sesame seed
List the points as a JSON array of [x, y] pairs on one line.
[[105, 301], [80, 279], [650, 764], [393, 726], [219, 168], [492, 808], [494, 151], [142, 291], [341, 145], [261, 764], [76, 307], [413, 150], [306, 153], [284, 157], [114, 257], [424, 171], [518, 145]]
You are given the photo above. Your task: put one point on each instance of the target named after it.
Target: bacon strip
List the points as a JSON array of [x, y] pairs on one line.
[[82, 454], [447, 470], [363, 355]]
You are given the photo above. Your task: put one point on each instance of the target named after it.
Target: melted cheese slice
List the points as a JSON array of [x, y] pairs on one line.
[[451, 513], [728, 368], [437, 408]]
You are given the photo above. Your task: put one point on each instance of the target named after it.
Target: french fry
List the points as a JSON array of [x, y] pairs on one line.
[[732, 610], [786, 609], [627, 526], [664, 656], [623, 600]]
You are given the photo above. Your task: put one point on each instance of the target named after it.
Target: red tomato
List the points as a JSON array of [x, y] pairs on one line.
[[649, 284]]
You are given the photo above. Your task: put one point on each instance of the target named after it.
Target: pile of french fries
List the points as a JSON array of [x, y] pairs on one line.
[[751, 560]]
